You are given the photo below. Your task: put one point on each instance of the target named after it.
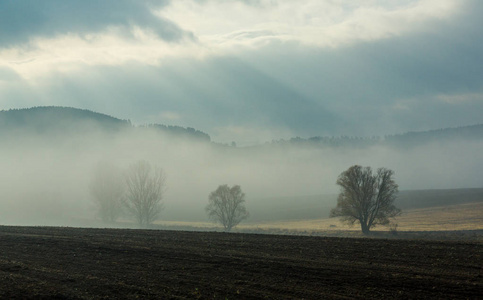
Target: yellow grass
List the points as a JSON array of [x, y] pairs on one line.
[[185, 223], [451, 217]]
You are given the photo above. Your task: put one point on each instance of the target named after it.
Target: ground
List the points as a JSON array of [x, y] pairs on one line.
[[448, 218], [74, 263]]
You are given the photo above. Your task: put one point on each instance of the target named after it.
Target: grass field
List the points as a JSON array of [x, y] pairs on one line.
[[468, 216]]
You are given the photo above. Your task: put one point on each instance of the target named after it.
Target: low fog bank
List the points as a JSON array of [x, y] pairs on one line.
[[45, 181]]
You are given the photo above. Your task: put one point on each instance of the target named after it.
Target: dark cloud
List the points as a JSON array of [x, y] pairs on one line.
[[246, 95], [23, 20], [371, 88], [388, 85], [207, 94]]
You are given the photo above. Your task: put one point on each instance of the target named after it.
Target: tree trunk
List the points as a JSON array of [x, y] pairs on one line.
[[365, 228]]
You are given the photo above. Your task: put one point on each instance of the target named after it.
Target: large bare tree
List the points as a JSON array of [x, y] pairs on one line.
[[227, 206], [107, 188], [145, 187], [366, 197]]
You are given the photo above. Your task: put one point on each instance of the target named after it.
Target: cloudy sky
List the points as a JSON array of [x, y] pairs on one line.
[[250, 71]]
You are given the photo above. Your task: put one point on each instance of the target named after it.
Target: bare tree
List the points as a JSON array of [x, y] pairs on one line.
[[144, 195], [107, 188], [226, 205], [366, 197]]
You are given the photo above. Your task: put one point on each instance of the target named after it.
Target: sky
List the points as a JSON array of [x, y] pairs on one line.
[[250, 71]]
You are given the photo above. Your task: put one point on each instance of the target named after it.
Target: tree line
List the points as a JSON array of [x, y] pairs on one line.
[[365, 197], [404, 140], [69, 121]]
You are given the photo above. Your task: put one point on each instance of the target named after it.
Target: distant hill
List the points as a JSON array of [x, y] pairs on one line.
[[438, 197], [474, 132], [319, 206], [68, 120], [409, 139], [180, 131], [51, 119], [60, 121]]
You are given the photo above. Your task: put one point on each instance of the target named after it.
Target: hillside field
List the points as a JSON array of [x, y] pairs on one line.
[[437, 221]]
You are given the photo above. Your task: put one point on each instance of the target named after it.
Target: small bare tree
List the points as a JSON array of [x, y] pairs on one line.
[[366, 197], [226, 205], [107, 188], [144, 195]]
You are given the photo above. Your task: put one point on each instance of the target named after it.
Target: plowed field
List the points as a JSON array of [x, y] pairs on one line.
[[72, 263]]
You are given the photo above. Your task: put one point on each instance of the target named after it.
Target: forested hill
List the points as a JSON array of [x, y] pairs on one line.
[[67, 120], [474, 132], [49, 120], [409, 139], [57, 119]]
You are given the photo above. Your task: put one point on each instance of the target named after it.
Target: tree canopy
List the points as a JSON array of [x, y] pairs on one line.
[[145, 187], [227, 206], [107, 188], [366, 197]]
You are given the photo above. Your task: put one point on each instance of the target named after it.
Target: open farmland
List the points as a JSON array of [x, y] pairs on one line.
[[468, 216], [458, 221], [70, 263]]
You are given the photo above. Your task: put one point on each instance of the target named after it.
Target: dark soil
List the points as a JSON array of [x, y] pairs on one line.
[[73, 263]]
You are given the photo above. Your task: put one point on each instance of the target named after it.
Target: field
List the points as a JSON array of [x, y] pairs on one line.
[[74, 263], [459, 217], [463, 221]]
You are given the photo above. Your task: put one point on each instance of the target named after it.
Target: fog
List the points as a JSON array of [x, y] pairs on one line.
[[44, 180]]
